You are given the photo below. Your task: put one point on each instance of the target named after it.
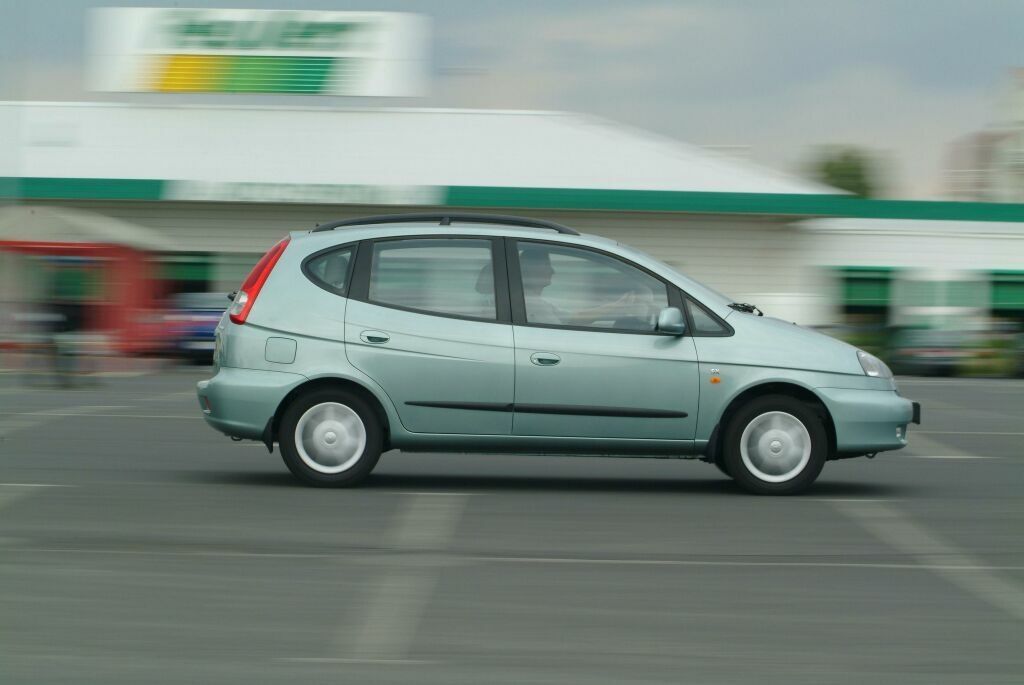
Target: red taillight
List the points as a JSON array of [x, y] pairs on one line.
[[253, 283]]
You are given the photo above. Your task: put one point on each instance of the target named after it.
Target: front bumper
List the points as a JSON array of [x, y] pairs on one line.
[[240, 402], [869, 421]]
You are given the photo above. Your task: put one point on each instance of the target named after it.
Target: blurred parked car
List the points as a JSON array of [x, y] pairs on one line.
[[149, 332], [191, 324], [930, 352]]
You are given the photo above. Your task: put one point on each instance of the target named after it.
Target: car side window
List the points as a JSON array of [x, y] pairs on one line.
[[567, 286], [330, 269], [435, 275]]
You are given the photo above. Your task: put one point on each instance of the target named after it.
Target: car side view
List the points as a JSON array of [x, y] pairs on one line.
[[484, 333]]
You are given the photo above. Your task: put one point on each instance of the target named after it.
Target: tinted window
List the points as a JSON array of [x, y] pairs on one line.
[[572, 287], [703, 321], [435, 275], [331, 269]]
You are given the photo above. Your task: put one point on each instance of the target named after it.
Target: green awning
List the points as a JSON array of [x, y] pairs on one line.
[[1008, 290], [866, 286], [186, 268]]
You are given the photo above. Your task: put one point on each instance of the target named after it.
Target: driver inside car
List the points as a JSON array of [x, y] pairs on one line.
[[537, 273]]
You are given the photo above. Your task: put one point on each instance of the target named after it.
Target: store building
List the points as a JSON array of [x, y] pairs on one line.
[[220, 184]]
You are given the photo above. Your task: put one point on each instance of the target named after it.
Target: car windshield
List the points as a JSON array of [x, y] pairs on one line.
[[703, 292]]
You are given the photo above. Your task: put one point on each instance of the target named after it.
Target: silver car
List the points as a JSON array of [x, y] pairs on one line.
[[480, 333]]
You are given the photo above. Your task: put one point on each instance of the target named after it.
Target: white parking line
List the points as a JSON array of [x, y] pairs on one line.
[[30, 419], [847, 499], [89, 415], [337, 660], [932, 447], [216, 554], [945, 456], [429, 493], [170, 395], [446, 559], [400, 594], [941, 557], [14, 492], [1000, 433], [740, 564]]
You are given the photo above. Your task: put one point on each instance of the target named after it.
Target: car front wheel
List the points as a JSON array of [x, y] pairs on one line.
[[330, 438], [775, 445]]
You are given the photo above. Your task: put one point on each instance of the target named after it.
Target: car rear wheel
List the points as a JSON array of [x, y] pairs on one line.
[[775, 445], [330, 438]]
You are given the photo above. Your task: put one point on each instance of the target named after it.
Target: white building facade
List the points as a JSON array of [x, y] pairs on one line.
[[221, 184]]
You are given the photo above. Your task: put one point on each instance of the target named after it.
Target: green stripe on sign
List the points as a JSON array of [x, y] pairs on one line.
[[277, 74], [81, 188]]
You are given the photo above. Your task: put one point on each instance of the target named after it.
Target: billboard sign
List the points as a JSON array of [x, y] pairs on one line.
[[172, 50]]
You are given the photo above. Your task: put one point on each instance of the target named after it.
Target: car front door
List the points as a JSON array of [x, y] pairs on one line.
[[429, 322], [589, 362]]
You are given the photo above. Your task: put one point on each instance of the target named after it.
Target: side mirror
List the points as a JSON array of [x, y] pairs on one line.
[[671, 321]]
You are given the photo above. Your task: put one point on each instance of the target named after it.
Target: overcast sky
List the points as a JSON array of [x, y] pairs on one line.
[[772, 77]]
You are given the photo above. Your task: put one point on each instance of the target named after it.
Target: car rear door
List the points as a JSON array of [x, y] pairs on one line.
[[589, 362], [430, 323]]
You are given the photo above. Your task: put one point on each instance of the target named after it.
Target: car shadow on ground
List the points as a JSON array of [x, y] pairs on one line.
[[420, 482]]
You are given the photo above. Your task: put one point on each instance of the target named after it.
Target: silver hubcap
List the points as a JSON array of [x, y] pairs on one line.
[[775, 446], [330, 437]]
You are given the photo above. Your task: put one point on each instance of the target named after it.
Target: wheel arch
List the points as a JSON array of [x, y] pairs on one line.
[[794, 390], [336, 382]]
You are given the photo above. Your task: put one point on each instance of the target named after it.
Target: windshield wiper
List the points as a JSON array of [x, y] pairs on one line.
[[746, 308]]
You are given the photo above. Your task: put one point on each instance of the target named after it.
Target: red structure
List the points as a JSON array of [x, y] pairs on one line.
[[124, 298]]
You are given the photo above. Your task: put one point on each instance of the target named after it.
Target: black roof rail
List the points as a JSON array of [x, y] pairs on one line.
[[446, 219]]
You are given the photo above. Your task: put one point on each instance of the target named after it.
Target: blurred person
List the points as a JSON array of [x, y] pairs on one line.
[[537, 274], [30, 340], [65, 321]]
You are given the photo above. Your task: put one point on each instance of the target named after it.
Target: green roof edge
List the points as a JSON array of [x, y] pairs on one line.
[[38, 188], [804, 206]]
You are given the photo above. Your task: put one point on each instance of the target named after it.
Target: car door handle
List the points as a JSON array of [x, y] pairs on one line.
[[545, 359], [374, 337]]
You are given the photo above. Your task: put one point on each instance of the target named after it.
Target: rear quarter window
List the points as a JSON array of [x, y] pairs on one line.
[[445, 276], [330, 270]]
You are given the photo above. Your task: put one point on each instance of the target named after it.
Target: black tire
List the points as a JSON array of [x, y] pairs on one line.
[[365, 461], [719, 463], [745, 475]]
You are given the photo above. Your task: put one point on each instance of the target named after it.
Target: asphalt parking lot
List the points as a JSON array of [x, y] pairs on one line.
[[138, 546]]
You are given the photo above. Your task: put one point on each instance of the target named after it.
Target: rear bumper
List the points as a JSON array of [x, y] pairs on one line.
[[240, 402], [869, 421]]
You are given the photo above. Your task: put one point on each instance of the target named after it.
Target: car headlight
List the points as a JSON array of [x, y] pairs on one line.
[[872, 365]]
